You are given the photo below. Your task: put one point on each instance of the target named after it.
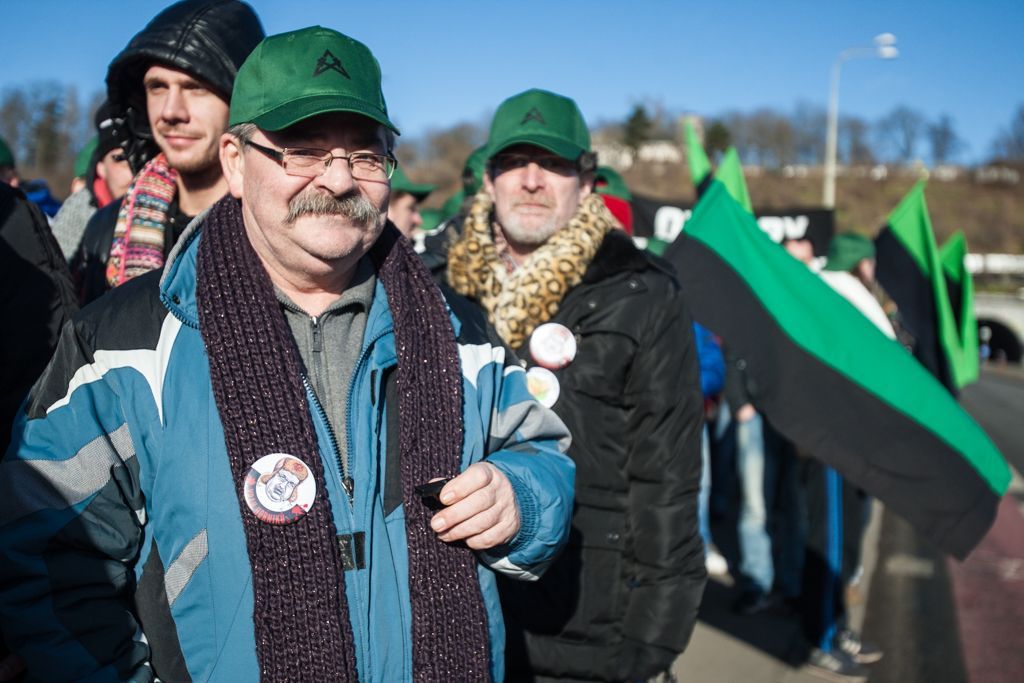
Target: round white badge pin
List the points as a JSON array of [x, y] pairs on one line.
[[543, 385], [552, 346], [279, 488]]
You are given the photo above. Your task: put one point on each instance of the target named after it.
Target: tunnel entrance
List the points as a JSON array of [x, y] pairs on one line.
[[1003, 343]]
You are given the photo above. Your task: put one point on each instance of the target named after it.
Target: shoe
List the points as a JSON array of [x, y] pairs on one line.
[[753, 602], [835, 666], [716, 564], [863, 653]]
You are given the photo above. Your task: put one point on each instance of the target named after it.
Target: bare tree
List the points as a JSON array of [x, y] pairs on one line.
[[46, 124], [1009, 144], [945, 143], [854, 144], [771, 139], [15, 120], [740, 133], [809, 123], [440, 155], [900, 129]]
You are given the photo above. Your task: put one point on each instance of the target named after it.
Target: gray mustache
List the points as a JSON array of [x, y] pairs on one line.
[[355, 207]]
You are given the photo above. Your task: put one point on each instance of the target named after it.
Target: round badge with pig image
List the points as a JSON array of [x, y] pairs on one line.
[[279, 488]]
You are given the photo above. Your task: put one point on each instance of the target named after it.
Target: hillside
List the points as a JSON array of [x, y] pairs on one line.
[[990, 214]]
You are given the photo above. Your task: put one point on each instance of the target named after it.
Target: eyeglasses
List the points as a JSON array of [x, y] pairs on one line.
[[311, 163], [512, 161]]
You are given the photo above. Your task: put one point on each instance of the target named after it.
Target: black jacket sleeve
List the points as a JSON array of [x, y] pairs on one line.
[[36, 298], [737, 391]]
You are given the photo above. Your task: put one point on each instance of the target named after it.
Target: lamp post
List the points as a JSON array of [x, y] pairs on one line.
[[885, 48]]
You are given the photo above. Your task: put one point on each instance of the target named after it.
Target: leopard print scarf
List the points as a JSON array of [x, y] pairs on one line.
[[528, 296]]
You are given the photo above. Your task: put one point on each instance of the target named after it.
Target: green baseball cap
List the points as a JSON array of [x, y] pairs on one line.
[[293, 76], [473, 170], [608, 181], [431, 219], [85, 156], [541, 118], [847, 249], [453, 204], [401, 183], [6, 155]]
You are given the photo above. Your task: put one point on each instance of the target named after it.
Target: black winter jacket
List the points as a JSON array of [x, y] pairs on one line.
[[89, 262], [620, 603], [36, 299]]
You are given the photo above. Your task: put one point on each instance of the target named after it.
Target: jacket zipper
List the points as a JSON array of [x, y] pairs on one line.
[[351, 389], [346, 482]]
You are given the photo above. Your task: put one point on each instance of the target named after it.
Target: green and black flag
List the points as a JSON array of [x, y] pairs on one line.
[[910, 271], [963, 350], [697, 159], [730, 174], [834, 384]]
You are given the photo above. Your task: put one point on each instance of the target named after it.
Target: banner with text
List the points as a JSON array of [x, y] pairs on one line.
[[665, 220]]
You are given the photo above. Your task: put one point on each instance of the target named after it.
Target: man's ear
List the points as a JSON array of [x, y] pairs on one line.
[[232, 163], [489, 184], [101, 170], [586, 184]]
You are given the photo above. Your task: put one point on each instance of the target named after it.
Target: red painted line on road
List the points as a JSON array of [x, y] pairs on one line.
[[988, 589]]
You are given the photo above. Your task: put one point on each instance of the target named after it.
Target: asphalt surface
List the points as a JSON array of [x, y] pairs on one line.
[[938, 620]]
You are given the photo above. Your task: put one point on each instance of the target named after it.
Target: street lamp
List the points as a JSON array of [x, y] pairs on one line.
[[885, 48]]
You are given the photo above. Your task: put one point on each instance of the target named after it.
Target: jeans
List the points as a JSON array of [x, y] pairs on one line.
[[787, 511], [756, 565], [705, 489]]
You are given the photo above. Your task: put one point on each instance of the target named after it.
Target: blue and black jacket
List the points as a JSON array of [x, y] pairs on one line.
[[122, 551]]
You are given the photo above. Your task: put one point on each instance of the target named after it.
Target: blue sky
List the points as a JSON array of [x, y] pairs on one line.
[[446, 62]]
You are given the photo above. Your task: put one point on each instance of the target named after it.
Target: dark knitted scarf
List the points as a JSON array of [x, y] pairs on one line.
[[300, 609]]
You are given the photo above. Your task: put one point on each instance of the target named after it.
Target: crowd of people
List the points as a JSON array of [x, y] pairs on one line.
[[303, 429]]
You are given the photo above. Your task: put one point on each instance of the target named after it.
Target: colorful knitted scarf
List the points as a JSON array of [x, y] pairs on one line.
[[520, 300], [300, 608], [138, 245]]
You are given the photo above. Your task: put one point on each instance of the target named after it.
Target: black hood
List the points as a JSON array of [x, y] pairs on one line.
[[208, 39]]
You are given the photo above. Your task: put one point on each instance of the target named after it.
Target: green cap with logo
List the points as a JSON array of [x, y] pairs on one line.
[[847, 249], [401, 183], [293, 76], [6, 155], [541, 118]]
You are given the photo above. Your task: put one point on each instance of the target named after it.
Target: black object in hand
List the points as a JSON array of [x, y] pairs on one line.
[[431, 492]]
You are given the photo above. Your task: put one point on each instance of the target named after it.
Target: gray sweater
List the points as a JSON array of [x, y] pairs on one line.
[[329, 346]]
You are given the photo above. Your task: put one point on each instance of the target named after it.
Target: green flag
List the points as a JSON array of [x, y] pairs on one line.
[[700, 167], [910, 270], [730, 174], [833, 383], [960, 287]]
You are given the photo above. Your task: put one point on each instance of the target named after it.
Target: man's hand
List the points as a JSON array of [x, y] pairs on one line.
[[11, 667], [746, 413], [482, 509]]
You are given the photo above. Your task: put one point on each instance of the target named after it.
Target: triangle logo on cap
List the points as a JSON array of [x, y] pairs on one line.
[[328, 62], [534, 115]]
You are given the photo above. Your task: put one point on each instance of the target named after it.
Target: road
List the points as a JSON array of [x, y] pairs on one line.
[[938, 620], [945, 621]]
